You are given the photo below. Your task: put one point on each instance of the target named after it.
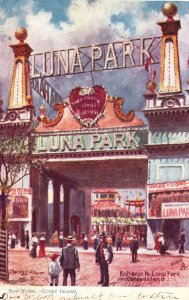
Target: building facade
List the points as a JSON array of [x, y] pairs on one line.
[[93, 144]]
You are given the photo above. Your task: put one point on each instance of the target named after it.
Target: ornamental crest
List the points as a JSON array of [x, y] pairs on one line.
[[87, 104]]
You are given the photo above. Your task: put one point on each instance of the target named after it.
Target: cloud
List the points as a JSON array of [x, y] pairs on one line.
[[90, 23]]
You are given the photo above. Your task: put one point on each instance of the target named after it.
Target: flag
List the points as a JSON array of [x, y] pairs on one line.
[[153, 75]]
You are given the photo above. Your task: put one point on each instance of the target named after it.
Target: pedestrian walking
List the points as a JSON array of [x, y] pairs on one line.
[[27, 239], [61, 240], [69, 260], [113, 238], [134, 245], [182, 242], [156, 240], [13, 241], [34, 241], [104, 257], [53, 269], [85, 242], [95, 241], [42, 243], [118, 241], [161, 244]]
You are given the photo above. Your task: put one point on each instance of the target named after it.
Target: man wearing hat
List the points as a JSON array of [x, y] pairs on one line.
[[69, 260], [104, 256], [134, 245]]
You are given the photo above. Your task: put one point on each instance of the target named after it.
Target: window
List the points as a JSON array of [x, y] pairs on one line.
[[103, 196]]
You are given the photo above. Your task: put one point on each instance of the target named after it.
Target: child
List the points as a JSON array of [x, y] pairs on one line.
[[54, 269]]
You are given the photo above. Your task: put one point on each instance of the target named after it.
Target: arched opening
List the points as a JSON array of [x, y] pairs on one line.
[[75, 225]]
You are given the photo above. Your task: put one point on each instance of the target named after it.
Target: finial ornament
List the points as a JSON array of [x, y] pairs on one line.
[[29, 99], [21, 34], [151, 86], [169, 9]]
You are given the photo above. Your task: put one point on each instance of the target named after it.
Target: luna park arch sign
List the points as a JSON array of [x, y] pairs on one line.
[[108, 56]]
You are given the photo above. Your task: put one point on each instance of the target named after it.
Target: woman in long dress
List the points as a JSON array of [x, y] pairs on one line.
[[42, 243], [34, 240]]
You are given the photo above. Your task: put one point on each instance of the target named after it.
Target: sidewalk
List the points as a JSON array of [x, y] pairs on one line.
[[50, 249]]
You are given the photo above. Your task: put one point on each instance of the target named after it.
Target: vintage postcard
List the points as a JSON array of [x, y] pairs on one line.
[[94, 149]]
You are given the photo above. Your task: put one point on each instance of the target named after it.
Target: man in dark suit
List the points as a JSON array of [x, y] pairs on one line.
[[104, 256], [69, 260], [134, 245]]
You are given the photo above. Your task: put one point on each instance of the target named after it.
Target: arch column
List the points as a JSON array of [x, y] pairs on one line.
[[66, 209], [56, 205]]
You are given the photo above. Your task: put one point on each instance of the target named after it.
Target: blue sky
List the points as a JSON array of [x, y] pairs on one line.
[[61, 24]]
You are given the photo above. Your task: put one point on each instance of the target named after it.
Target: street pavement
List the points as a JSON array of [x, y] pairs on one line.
[[151, 269]]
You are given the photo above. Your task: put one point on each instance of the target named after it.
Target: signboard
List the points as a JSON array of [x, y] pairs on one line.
[[19, 204], [168, 186], [115, 55], [92, 141], [162, 196], [87, 104], [175, 210]]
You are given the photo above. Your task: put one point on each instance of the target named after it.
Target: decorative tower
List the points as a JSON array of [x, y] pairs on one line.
[[168, 136], [170, 87], [20, 101]]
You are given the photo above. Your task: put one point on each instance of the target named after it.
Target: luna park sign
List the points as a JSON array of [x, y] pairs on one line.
[[108, 56]]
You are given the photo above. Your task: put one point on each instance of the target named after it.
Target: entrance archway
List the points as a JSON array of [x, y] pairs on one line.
[[75, 224], [171, 230]]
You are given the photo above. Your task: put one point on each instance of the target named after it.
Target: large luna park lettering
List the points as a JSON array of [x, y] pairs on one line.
[[94, 142], [125, 54]]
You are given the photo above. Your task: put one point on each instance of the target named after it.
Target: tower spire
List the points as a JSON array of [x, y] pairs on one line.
[[170, 81], [20, 93]]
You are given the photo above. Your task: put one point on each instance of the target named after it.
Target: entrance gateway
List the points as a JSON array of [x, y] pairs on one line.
[[107, 162]]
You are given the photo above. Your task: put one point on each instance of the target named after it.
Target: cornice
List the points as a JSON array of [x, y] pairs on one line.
[[167, 149]]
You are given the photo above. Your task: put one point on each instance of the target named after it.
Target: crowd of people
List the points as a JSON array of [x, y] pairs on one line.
[[102, 244], [161, 245]]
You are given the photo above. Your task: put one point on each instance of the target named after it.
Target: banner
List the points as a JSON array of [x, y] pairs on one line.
[[168, 186], [19, 204], [175, 210]]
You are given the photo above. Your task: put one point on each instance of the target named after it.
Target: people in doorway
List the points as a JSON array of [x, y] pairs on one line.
[[27, 239], [54, 238], [13, 240], [118, 241], [181, 242], [34, 241], [134, 245], [54, 269], [104, 257], [42, 243], [85, 242], [69, 260]]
